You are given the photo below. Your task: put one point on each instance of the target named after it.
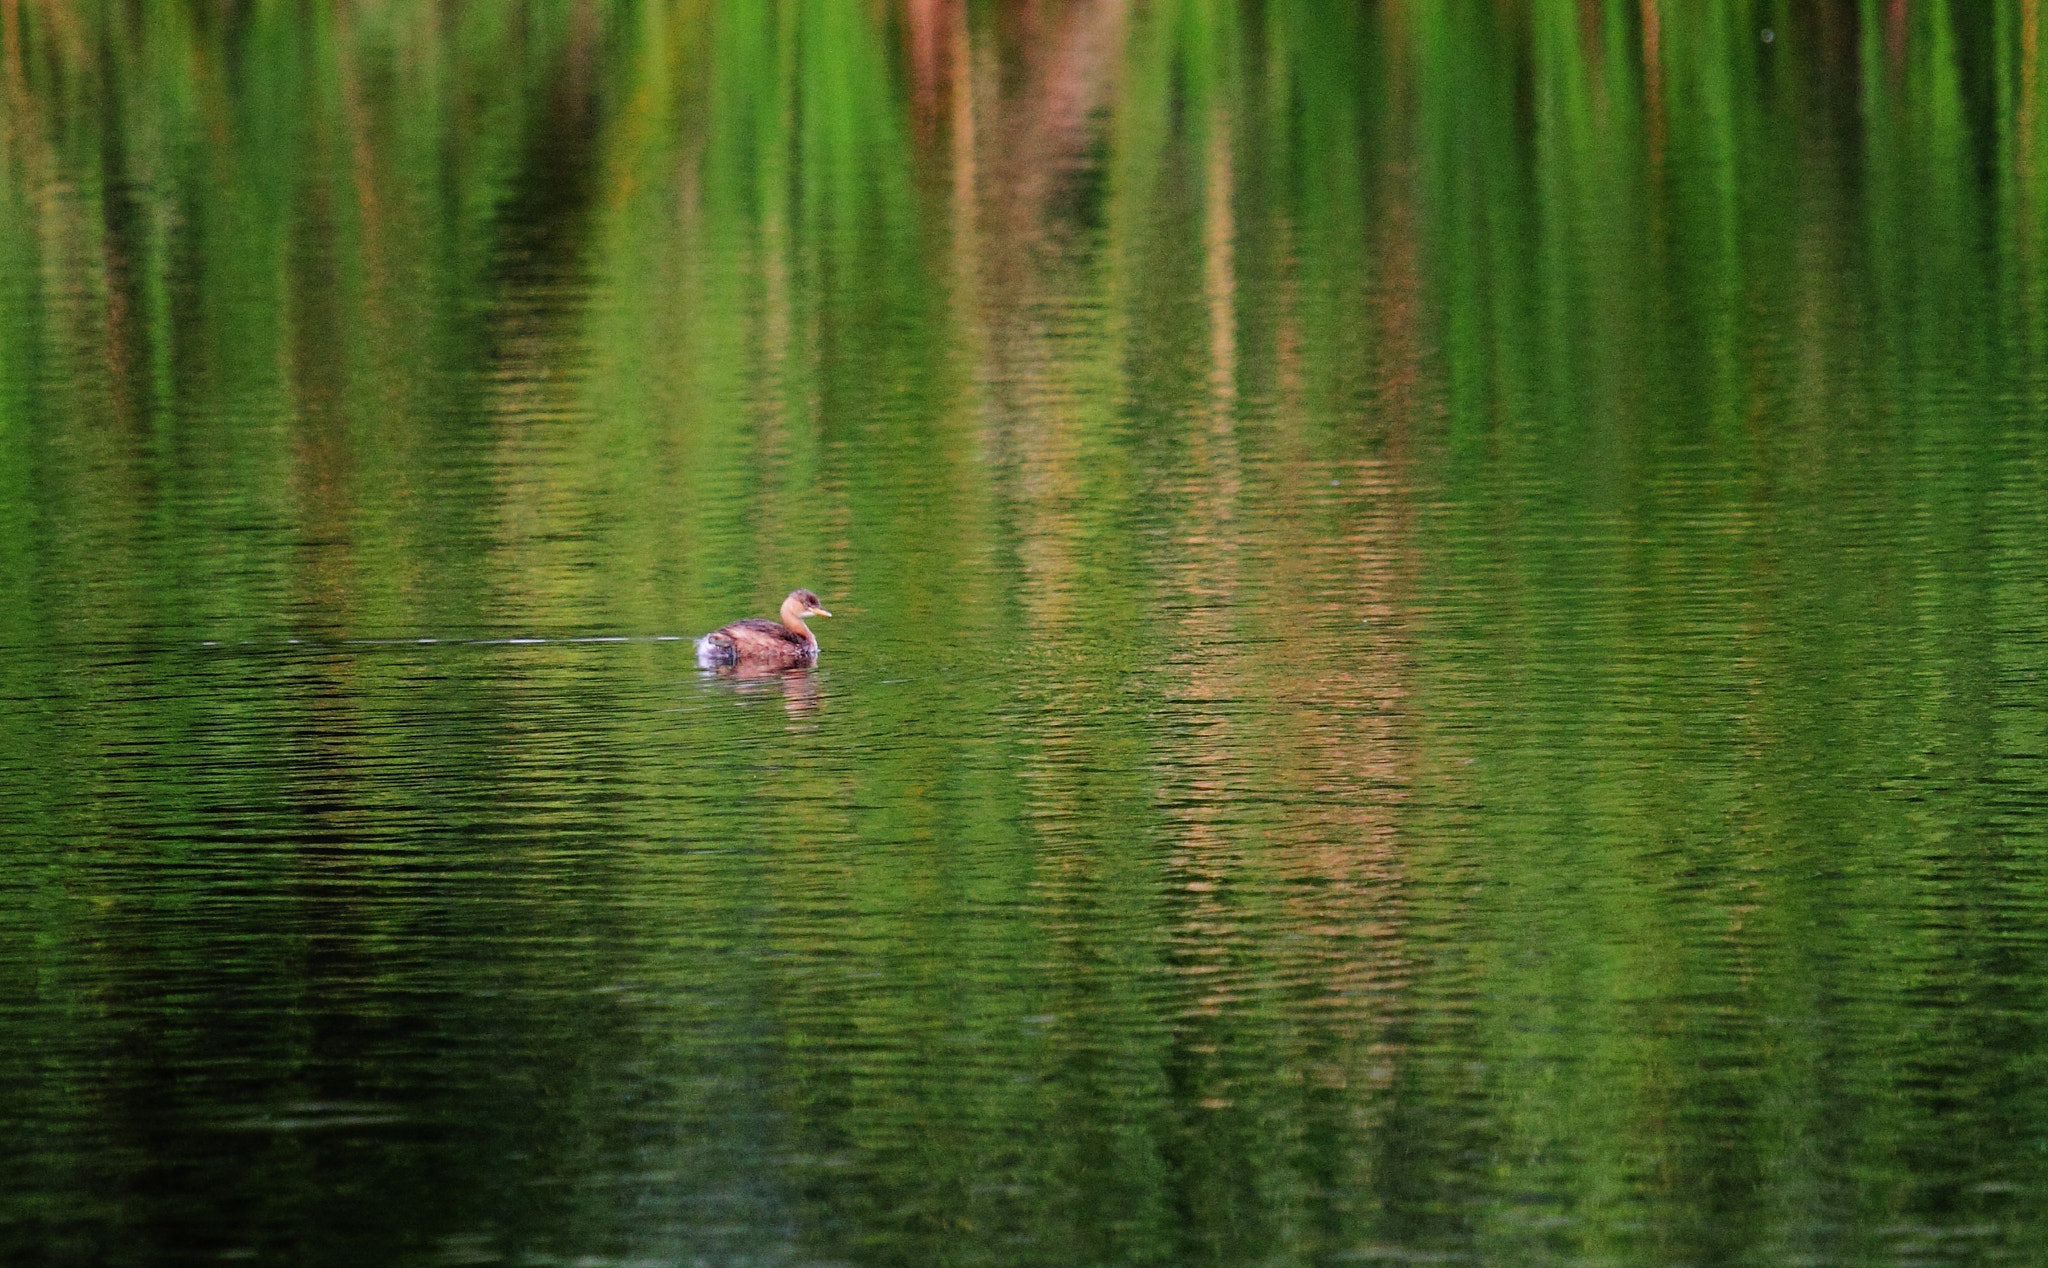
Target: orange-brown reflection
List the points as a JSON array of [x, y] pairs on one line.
[[1282, 575]]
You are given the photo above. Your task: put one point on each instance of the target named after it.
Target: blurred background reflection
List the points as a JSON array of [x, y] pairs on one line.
[[1441, 609]]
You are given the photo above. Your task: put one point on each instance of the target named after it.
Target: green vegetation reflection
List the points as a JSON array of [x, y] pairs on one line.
[[1438, 650]]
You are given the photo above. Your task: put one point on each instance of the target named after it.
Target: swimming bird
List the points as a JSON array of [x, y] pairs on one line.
[[764, 644]]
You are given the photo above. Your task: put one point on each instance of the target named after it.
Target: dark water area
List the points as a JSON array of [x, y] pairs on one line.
[[1440, 625]]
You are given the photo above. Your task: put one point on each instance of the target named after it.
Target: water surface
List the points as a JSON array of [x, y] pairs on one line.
[[1441, 613]]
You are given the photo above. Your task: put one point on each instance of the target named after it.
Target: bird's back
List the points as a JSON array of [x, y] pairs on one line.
[[755, 641]]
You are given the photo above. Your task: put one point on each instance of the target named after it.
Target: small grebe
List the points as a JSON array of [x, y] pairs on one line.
[[764, 643]]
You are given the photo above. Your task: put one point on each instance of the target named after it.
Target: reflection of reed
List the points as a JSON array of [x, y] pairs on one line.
[[1033, 139], [364, 172], [539, 350], [2026, 162], [1046, 376], [1355, 758], [1216, 666], [10, 52], [1653, 86], [775, 376], [323, 459]]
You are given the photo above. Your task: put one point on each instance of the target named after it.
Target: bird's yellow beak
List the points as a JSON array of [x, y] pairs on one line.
[[817, 612]]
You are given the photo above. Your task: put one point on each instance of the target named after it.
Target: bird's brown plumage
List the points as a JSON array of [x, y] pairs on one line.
[[759, 642]]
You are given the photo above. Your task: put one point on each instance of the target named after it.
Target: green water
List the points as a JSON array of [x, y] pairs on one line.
[[1441, 618]]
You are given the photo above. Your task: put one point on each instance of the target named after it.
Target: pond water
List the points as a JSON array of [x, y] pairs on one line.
[[1440, 619]]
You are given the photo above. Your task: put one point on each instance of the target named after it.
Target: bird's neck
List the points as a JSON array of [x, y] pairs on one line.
[[795, 622]]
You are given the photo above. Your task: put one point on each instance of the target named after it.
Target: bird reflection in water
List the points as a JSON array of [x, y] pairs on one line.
[[797, 687]]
